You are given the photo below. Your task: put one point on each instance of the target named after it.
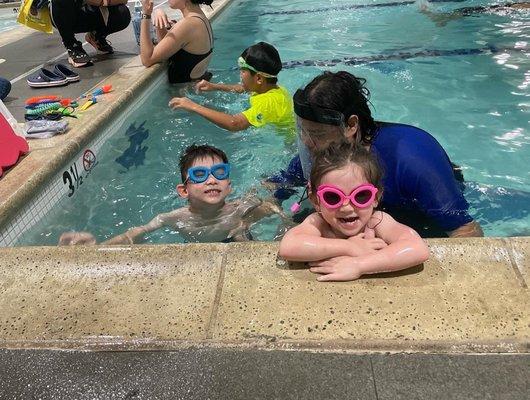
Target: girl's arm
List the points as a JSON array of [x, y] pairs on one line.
[[405, 249], [305, 243]]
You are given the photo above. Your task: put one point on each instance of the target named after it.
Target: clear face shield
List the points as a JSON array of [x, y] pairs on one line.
[[317, 127]]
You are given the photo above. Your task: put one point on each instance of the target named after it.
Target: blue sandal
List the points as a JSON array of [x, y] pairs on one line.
[[63, 70], [46, 78]]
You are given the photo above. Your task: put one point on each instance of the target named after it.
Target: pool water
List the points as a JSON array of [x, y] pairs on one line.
[[466, 82], [8, 18]]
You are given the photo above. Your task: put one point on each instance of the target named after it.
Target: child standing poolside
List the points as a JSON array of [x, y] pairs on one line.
[[347, 237], [205, 184], [269, 103]]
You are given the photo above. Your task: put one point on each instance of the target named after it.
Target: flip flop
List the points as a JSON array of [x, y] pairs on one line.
[[46, 78], [63, 70]]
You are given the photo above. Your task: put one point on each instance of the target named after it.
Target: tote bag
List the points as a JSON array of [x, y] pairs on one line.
[[34, 17]]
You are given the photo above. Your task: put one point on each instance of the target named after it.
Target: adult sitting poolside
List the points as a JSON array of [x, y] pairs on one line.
[[420, 188], [187, 45]]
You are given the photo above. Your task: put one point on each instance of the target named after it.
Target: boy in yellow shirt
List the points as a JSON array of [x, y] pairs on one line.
[[269, 103]]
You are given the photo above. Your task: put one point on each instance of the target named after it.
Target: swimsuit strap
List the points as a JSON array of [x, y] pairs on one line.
[[210, 36]]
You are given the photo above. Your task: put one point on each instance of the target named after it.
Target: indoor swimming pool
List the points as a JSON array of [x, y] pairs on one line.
[[466, 81]]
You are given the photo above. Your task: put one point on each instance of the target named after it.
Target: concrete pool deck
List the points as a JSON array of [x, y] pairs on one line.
[[470, 297]]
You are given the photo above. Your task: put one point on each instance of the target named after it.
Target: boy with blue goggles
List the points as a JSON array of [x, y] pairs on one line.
[[207, 217]]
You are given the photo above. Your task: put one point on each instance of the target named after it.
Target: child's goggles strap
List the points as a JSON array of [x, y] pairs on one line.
[[200, 174], [241, 63], [332, 197]]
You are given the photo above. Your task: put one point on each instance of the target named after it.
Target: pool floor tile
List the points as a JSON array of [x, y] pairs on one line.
[[467, 292]]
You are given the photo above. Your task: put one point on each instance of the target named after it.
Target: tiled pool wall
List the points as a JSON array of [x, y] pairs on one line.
[[71, 176]]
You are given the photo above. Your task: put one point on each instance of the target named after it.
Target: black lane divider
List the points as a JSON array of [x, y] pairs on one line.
[[401, 55], [354, 7], [393, 56]]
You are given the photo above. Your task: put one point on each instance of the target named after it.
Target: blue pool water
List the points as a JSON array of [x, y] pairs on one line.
[[8, 18], [466, 82]]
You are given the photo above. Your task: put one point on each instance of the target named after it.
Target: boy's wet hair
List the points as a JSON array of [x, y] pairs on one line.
[[265, 58], [345, 93], [341, 154], [195, 152]]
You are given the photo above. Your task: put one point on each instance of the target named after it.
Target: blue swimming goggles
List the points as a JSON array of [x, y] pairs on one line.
[[200, 174]]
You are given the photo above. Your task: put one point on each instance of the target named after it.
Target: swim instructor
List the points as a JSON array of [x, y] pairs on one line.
[[186, 45], [420, 185]]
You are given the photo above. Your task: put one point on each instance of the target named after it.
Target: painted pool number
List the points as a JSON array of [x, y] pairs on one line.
[[71, 176]]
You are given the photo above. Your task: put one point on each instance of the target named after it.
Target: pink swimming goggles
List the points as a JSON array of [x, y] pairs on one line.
[[332, 197]]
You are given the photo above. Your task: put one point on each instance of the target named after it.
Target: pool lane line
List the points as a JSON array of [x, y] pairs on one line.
[[392, 57], [401, 55], [31, 71], [355, 7]]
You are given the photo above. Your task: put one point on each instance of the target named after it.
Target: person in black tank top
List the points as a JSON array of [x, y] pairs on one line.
[[177, 43], [182, 63]]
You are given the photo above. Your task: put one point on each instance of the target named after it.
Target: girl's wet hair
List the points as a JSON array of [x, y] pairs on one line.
[[339, 155], [265, 58], [346, 93], [195, 152]]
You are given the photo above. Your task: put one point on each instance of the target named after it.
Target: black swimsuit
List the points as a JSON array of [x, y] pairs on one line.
[[182, 62]]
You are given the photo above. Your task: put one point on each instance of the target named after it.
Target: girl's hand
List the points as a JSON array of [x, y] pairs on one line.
[[147, 7], [160, 19], [365, 243], [180, 102], [341, 268], [203, 86]]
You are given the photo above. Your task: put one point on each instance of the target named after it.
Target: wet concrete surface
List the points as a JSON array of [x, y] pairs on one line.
[[220, 373]]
